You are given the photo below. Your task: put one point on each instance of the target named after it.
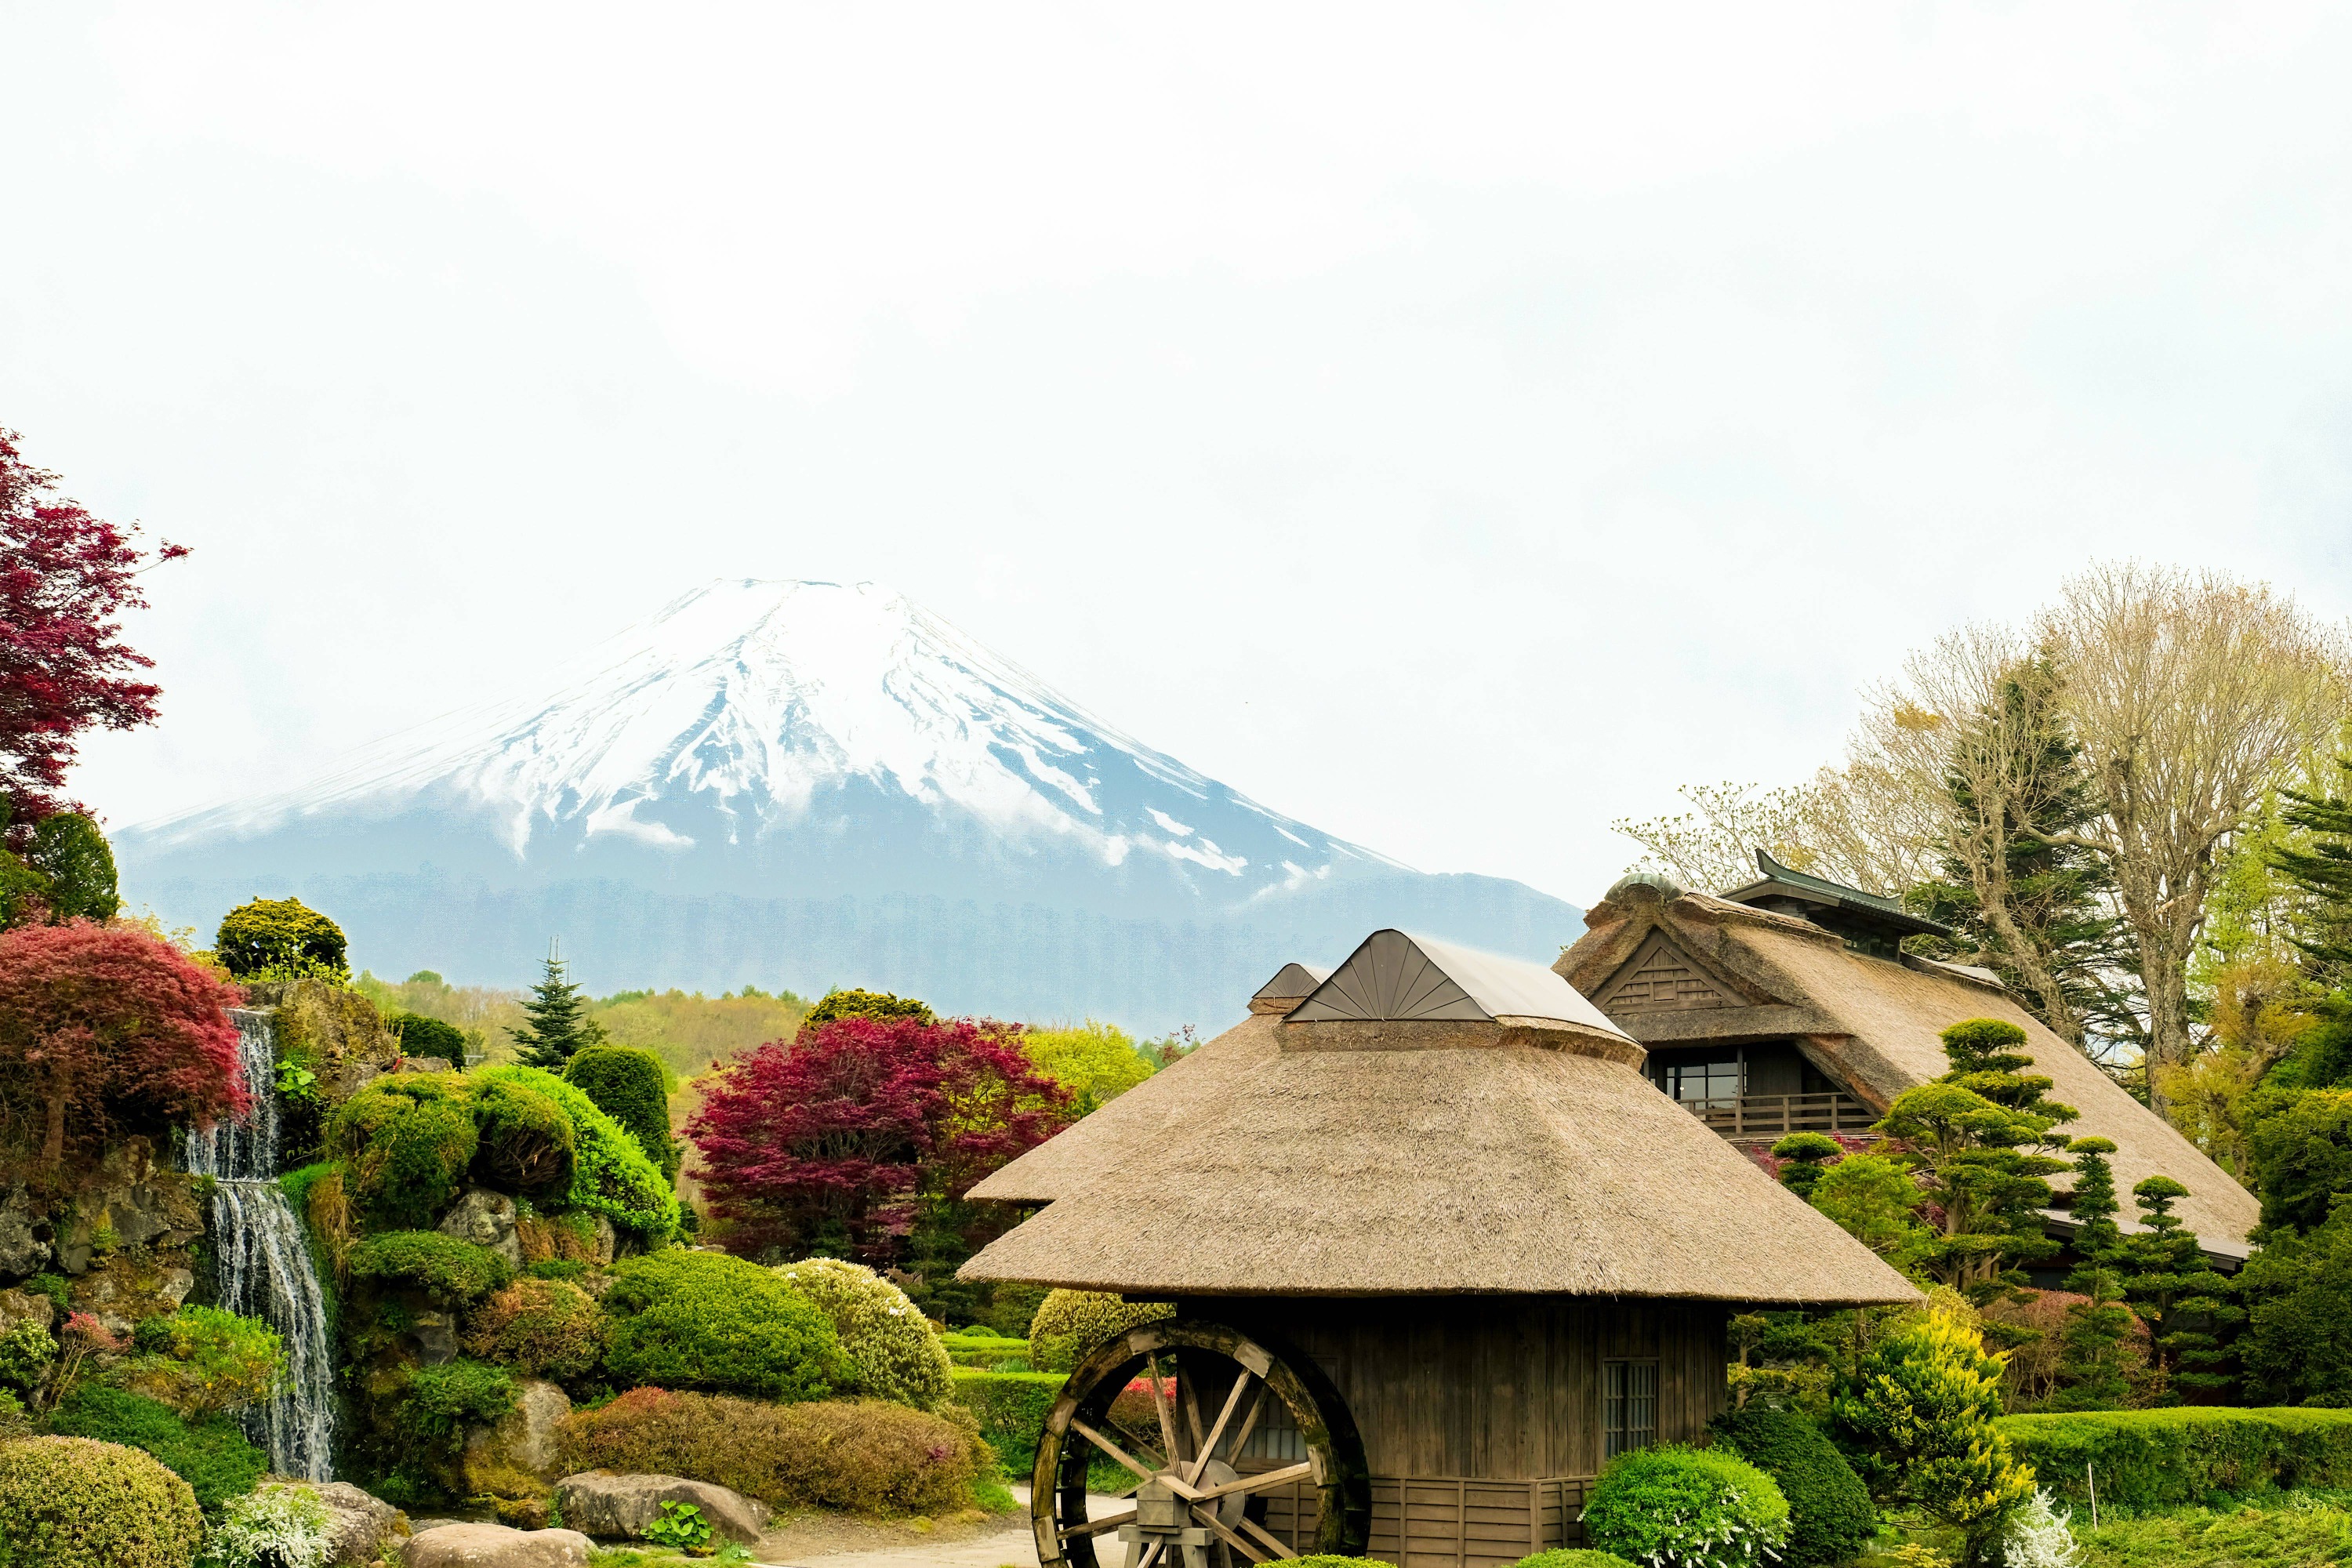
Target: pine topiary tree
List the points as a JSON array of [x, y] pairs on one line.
[[2090, 1346], [1803, 1157], [559, 1026], [280, 939], [879, 1006], [2188, 1306]]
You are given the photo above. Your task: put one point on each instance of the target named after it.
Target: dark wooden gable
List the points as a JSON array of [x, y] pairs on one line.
[[1662, 978]]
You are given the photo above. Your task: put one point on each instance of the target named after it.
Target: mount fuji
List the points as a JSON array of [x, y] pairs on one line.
[[809, 784]]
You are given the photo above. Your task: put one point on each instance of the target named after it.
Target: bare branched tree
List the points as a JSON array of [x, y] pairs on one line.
[[1711, 849], [2189, 693]]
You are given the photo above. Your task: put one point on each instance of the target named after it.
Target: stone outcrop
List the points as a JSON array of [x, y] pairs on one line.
[[337, 1031], [605, 1503], [523, 1442], [26, 1306], [495, 1546], [362, 1527], [133, 1200], [23, 1235], [488, 1220]]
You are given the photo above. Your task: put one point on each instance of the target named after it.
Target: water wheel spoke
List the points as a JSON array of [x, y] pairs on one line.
[[1096, 1526], [1216, 1431], [1159, 1404], [1259, 1482], [1188, 1395], [1153, 1555], [1113, 1450], [1249, 1422], [1139, 1443], [1273, 1543], [1208, 1516]]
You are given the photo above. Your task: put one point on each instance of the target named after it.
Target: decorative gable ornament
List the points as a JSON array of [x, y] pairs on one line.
[[1661, 978]]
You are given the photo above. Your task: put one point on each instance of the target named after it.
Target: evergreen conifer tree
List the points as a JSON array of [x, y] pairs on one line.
[[2091, 1344], [559, 1025], [2322, 874], [2187, 1304]]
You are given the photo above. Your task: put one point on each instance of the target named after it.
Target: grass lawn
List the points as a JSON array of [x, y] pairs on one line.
[[2287, 1532]]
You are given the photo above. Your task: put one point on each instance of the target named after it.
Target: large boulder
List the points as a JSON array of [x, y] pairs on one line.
[[362, 1527], [132, 1202], [338, 1033], [524, 1441], [488, 1220], [495, 1546], [605, 1503], [23, 1235]]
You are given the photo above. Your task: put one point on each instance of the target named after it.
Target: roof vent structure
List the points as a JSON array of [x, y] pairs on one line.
[[1396, 976], [1290, 983]]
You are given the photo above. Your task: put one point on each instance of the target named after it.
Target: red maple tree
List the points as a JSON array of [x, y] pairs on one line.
[[65, 577], [106, 1031], [838, 1137]]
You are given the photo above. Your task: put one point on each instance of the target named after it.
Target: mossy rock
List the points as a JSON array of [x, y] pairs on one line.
[[337, 1034]]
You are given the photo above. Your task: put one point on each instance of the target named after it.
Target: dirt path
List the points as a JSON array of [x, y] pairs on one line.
[[1000, 1542]]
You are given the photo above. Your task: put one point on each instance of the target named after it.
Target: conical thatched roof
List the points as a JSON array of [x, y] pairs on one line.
[[1451, 1155], [1873, 1023]]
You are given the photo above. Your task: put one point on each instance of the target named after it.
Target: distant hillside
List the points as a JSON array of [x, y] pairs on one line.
[[806, 785]]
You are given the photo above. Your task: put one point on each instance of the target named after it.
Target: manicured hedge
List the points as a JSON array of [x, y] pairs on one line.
[[2157, 1458], [1011, 1408]]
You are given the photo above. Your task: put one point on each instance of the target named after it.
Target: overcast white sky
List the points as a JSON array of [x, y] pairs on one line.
[[1454, 427]]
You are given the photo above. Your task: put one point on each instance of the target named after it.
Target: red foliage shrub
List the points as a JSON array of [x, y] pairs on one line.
[[838, 1136], [64, 579], [106, 1031]]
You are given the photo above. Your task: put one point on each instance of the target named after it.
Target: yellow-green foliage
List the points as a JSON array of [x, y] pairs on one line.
[[1923, 1414], [1687, 1506], [541, 1327], [2162, 1459], [690, 1032], [1011, 1408], [705, 1320], [453, 1272], [1095, 1062], [611, 1173], [407, 1142], [74, 1502], [864, 1456], [1071, 1324], [529, 1143], [201, 1361], [280, 939], [892, 1352], [2289, 1532], [626, 1084]]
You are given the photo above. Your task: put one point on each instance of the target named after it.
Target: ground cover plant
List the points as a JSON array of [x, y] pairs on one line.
[[212, 1455]]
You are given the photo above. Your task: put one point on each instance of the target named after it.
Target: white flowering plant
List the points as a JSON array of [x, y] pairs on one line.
[[277, 1527]]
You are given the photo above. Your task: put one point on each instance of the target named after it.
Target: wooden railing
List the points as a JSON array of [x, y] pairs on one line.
[[1773, 1115]]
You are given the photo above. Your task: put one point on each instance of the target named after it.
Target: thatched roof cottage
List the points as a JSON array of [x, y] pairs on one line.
[[1438, 1247], [1788, 1005]]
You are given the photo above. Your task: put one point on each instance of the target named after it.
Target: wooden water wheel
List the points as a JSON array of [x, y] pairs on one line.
[[1194, 1444]]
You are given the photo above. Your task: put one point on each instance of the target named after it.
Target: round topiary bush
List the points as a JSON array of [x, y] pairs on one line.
[[1830, 1515], [610, 1172], [74, 1503], [686, 1320], [541, 1327], [1675, 1506], [526, 1141], [627, 1085], [1070, 1323], [453, 1272], [422, 1036], [280, 939], [405, 1143], [893, 1354]]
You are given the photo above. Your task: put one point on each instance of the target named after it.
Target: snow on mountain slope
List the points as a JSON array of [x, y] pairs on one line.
[[763, 743]]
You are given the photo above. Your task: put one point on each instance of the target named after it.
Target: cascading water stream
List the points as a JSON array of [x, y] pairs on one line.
[[264, 1261]]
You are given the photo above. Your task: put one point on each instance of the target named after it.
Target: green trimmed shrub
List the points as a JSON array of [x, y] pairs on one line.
[[1830, 1515], [25, 1351], [405, 1143], [704, 1320], [2163, 1458], [1071, 1324], [1572, 1557], [879, 1006], [527, 1141], [1011, 1408], [438, 1404], [610, 1172], [541, 1327], [74, 1503], [212, 1455], [1329, 1560], [455, 1273], [280, 939], [279, 1527], [422, 1036], [627, 1085], [1675, 1506], [893, 1354], [864, 1456]]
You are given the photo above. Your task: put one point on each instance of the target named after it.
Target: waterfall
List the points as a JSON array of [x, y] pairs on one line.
[[263, 1262]]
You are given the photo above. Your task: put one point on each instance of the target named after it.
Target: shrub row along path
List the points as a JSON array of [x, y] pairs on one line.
[[829, 1540]]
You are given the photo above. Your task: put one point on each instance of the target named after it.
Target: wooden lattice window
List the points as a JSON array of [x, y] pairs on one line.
[[1629, 1405]]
